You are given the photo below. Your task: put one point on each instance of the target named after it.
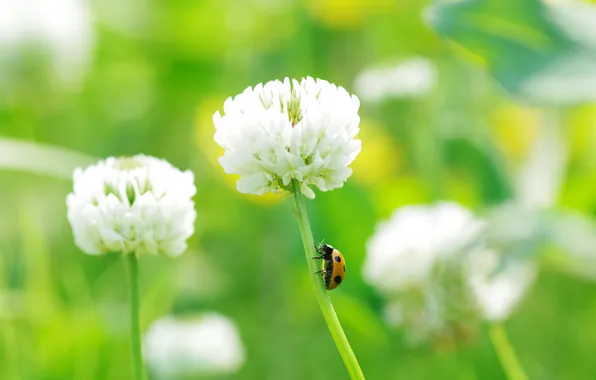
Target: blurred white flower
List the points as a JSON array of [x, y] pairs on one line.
[[405, 249], [209, 344], [498, 293], [137, 204], [436, 275], [415, 261], [63, 26], [414, 77], [289, 130]]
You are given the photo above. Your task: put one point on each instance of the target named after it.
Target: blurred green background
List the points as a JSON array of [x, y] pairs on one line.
[[147, 77]]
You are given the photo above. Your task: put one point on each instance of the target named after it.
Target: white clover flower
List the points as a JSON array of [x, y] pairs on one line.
[[498, 293], [438, 278], [289, 130], [138, 204], [405, 249], [177, 348], [414, 261]]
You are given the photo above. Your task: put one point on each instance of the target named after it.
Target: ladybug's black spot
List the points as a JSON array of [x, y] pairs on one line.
[[338, 259], [337, 280], [344, 267]]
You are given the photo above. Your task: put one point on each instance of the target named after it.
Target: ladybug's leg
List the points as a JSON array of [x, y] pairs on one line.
[[318, 257], [319, 248], [320, 271]]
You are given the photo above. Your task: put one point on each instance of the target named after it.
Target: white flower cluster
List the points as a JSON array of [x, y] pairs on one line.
[[404, 250], [205, 345], [139, 204], [283, 131], [430, 264]]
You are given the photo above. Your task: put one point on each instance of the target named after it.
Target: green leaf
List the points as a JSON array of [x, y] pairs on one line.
[[544, 53]]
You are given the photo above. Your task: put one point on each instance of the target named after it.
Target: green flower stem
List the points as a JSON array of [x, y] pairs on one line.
[[337, 332], [506, 353], [135, 331]]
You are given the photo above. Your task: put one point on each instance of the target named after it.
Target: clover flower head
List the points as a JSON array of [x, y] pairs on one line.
[[438, 278], [405, 249], [414, 261], [139, 205], [208, 344], [291, 130]]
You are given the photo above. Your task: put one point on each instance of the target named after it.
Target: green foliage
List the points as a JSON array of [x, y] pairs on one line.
[[159, 71], [540, 51]]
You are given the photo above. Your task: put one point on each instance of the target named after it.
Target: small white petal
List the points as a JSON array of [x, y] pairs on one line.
[[253, 184], [307, 191]]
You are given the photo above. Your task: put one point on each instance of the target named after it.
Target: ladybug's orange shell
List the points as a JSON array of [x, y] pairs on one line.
[[334, 270]]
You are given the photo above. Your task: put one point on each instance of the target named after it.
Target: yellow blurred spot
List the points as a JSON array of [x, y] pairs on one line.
[[346, 14], [515, 128], [204, 131], [380, 158], [582, 129]]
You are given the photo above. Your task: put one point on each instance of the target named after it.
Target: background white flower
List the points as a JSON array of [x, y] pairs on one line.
[[64, 28], [438, 278], [209, 344], [498, 293], [414, 77], [289, 130], [137, 204], [404, 250]]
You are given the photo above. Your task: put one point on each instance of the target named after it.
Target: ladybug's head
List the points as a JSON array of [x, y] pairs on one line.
[[327, 249]]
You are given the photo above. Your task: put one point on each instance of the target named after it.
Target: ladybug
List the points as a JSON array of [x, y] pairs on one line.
[[334, 266]]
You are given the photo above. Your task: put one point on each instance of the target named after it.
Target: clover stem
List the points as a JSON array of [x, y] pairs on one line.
[[135, 331], [506, 353], [339, 337]]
